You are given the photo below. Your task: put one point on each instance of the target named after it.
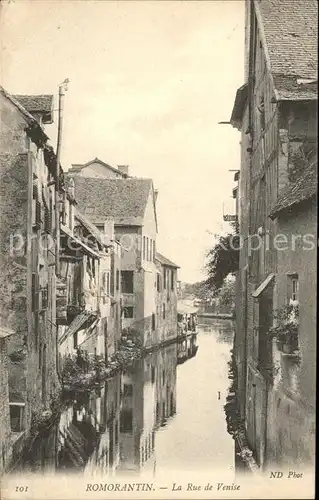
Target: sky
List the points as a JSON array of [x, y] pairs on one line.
[[149, 82]]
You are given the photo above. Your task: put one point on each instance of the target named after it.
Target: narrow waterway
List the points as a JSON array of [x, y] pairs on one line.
[[166, 412]]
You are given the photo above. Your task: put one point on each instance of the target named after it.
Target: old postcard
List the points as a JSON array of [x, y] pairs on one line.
[[158, 242]]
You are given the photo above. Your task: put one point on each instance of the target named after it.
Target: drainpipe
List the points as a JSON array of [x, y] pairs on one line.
[[62, 90]]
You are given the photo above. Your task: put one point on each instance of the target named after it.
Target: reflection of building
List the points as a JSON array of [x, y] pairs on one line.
[[105, 410], [166, 384], [187, 348], [148, 399], [276, 112]]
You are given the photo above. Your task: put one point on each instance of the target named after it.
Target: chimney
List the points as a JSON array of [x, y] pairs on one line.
[[155, 195], [123, 169]]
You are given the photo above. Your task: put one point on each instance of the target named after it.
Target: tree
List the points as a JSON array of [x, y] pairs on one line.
[[222, 260]]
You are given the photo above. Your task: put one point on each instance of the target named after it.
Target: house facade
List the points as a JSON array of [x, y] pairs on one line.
[[275, 111], [166, 300], [84, 298], [27, 268], [131, 204], [5, 427], [99, 169]]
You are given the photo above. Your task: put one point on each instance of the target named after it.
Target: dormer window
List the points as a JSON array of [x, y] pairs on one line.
[[89, 211]]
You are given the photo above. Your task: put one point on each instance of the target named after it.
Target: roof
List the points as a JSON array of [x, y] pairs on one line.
[[289, 31], [164, 261], [239, 106], [36, 103], [304, 188], [123, 199], [91, 228], [76, 167], [262, 287]]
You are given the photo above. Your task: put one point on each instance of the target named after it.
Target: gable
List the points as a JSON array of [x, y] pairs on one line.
[[96, 168]]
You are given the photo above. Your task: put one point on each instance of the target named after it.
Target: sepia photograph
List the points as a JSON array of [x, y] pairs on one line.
[[158, 249]]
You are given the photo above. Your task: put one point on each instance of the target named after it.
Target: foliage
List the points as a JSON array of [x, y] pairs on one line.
[[222, 260], [286, 327], [227, 294], [199, 289]]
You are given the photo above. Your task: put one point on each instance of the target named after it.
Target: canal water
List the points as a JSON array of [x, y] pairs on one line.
[[164, 413]]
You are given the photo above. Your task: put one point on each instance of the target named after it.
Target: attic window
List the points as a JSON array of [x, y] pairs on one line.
[[89, 210]]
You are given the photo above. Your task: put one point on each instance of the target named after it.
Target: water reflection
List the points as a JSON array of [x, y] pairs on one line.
[[112, 429], [136, 421], [224, 328]]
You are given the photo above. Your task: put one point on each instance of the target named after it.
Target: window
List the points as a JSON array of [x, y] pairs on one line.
[[153, 321], [151, 248], [35, 292], [128, 312], [172, 280], [164, 311], [127, 281], [17, 416], [127, 390], [164, 278], [44, 297], [126, 420], [154, 250], [117, 280], [158, 282], [47, 216], [147, 248], [144, 248], [36, 206], [293, 288], [108, 283]]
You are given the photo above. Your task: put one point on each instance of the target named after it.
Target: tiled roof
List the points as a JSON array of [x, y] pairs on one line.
[[36, 103], [123, 199], [290, 31], [166, 262], [89, 226], [303, 189]]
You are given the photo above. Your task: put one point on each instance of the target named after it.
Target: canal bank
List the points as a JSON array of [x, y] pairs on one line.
[[156, 414]]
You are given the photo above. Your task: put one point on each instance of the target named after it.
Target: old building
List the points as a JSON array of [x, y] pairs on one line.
[[276, 112], [27, 267], [84, 285], [5, 427], [166, 300], [131, 203], [294, 358], [99, 169]]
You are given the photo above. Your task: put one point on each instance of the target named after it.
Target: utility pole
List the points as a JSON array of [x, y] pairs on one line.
[[63, 87]]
